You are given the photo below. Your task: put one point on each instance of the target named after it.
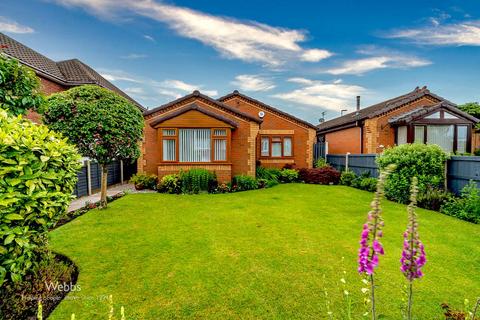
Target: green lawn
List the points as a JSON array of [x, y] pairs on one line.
[[256, 254]]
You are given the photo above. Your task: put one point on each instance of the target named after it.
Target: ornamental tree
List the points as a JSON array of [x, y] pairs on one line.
[[104, 126], [472, 108], [38, 173], [19, 87]]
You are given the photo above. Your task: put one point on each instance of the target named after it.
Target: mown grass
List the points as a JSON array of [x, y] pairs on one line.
[[257, 254]]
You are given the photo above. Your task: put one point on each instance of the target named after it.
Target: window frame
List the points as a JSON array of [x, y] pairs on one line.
[[270, 146], [213, 137]]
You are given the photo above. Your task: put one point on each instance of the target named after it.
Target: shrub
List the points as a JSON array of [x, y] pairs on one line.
[[222, 188], [38, 175], [321, 163], [467, 207], [170, 184], [19, 87], [477, 152], [347, 178], [426, 162], [244, 183], [368, 184], [432, 199], [144, 181], [197, 179], [288, 175], [326, 175], [268, 173]]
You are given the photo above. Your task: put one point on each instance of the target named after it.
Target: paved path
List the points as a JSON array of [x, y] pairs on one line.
[[80, 202]]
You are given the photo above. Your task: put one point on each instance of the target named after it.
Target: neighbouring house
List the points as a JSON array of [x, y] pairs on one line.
[[418, 116], [56, 76], [230, 136]]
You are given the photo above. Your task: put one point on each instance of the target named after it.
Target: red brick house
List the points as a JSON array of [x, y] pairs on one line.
[[56, 76], [418, 116], [230, 136]]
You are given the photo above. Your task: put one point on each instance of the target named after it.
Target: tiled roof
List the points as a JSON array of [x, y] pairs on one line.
[[378, 109], [217, 103], [421, 111], [267, 107], [68, 73]]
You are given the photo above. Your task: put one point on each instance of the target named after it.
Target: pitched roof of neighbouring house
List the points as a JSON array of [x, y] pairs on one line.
[[68, 73], [196, 107], [378, 109], [421, 111], [267, 107]]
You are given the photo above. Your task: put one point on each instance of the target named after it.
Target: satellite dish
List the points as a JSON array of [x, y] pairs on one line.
[[261, 114]]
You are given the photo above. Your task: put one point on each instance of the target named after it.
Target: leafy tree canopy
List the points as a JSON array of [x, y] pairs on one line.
[[472, 108], [19, 87], [103, 125]]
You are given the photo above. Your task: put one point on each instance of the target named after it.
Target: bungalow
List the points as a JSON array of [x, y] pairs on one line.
[[230, 135], [56, 76], [418, 116]]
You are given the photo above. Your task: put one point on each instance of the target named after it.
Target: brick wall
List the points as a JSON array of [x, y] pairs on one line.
[[303, 137], [47, 87], [343, 141]]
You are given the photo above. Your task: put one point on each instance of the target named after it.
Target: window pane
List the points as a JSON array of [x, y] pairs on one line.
[[419, 134], [441, 135], [168, 132], [220, 150], [220, 132], [168, 150], [401, 135], [265, 147], [287, 147], [194, 145], [462, 139], [447, 115], [435, 115], [276, 149]]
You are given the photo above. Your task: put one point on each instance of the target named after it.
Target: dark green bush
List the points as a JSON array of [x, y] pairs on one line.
[[268, 173], [347, 178], [368, 184], [144, 181], [38, 173], [288, 175], [424, 161], [170, 184], [198, 180], [467, 206], [477, 152], [244, 183], [432, 199]]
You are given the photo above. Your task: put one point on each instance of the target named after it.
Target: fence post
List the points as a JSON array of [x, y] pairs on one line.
[[121, 171], [346, 161], [89, 178], [326, 150], [445, 181]]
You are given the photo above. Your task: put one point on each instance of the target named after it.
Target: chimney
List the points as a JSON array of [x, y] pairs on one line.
[[358, 103]]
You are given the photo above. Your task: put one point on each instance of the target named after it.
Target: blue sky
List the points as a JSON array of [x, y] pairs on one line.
[[302, 57]]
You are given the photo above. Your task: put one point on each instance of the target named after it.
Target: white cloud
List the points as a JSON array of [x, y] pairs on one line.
[[466, 33], [315, 55], [117, 75], [7, 25], [149, 38], [245, 40], [134, 90], [186, 87], [168, 93], [333, 96], [378, 59], [133, 56], [251, 82]]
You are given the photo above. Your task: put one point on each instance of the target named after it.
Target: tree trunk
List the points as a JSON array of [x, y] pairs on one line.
[[103, 193]]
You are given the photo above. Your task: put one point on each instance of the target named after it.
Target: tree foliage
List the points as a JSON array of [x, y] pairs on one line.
[[472, 108], [424, 161], [103, 125], [38, 173], [19, 87]]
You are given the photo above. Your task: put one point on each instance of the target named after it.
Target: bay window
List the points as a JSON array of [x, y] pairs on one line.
[[276, 146], [450, 137], [194, 145]]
